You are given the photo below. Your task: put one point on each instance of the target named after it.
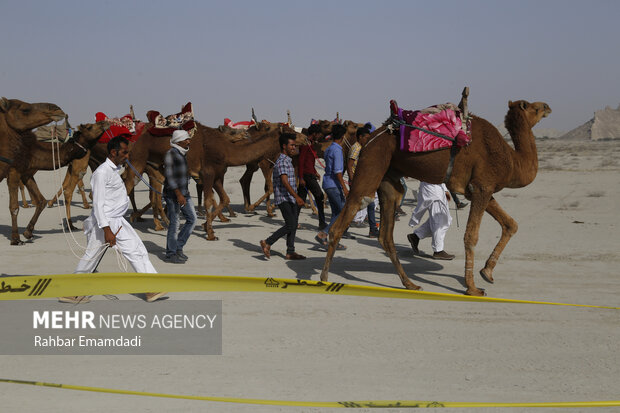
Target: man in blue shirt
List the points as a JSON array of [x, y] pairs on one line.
[[333, 183], [285, 198]]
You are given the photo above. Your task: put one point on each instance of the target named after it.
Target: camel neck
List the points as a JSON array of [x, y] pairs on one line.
[[525, 155]]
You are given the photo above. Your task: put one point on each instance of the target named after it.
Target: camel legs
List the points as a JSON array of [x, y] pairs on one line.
[[207, 182], [22, 190], [479, 201], [245, 181], [509, 228], [39, 202], [12, 182], [390, 193], [80, 185]]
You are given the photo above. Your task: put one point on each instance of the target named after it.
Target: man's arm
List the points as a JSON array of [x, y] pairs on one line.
[[290, 190]]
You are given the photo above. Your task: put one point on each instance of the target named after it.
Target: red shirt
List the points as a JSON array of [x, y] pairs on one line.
[[306, 161]]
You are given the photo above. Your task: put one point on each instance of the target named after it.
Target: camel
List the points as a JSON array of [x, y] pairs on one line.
[[37, 156], [17, 117], [480, 169], [75, 172]]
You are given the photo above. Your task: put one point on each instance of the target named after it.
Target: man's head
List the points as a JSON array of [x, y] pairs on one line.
[[118, 150], [362, 135], [338, 132], [314, 132], [181, 138], [287, 144]]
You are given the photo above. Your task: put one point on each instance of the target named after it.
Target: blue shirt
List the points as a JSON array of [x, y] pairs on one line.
[[283, 166], [334, 164]]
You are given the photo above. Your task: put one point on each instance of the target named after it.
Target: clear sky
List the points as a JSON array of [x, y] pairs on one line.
[[312, 57]]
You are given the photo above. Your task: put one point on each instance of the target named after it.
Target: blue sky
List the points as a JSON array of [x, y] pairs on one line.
[[313, 57]]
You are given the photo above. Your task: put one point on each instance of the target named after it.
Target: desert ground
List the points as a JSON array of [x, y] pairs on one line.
[[331, 348]]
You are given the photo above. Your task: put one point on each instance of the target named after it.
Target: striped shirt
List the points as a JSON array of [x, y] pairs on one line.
[[176, 172], [283, 166]]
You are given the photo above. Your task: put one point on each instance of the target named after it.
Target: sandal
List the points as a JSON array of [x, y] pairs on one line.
[[322, 241], [341, 247]]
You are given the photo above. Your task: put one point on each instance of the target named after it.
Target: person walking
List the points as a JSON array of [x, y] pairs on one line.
[[285, 198], [333, 183], [434, 199], [308, 176], [106, 226], [176, 195]]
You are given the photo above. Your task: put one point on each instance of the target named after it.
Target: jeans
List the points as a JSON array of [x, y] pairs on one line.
[[313, 186], [335, 196], [372, 221], [289, 212], [175, 239]]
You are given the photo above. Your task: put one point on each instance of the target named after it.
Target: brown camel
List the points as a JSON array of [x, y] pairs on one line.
[[484, 167], [17, 117], [37, 156], [75, 172]]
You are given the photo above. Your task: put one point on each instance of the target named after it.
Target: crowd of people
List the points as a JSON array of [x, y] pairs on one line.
[[106, 226]]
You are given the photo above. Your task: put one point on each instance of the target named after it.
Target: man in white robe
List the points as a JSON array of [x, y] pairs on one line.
[[434, 199], [106, 224]]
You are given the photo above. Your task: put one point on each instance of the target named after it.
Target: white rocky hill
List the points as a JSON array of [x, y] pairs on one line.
[[604, 125]]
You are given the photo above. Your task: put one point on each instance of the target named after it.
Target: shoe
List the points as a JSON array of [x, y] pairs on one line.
[[442, 255], [400, 212], [173, 259], [150, 297], [414, 240], [266, 248], [341, 247], [295, 256], [322, 241], [346, 235], [461, 205], [182, 256], [78, 299], [322, 226], [373, 234]]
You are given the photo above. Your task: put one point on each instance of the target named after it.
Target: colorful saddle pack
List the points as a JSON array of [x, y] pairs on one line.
[[164, 126], [436, 127]]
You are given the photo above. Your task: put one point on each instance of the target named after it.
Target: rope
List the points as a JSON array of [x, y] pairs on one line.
[[139, 175]]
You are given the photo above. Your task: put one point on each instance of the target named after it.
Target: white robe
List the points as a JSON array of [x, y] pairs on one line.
[[432, 198], [110, 202]]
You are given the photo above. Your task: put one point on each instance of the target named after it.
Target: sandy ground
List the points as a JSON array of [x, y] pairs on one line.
[[330, 348]]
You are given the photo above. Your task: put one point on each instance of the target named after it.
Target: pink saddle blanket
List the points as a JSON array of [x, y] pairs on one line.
[[443, 119]]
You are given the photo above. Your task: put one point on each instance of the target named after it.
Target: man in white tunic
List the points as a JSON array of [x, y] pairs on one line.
[[434, 199], [106, 225]]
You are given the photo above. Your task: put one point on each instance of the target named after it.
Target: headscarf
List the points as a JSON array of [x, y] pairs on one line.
[[179, 136]]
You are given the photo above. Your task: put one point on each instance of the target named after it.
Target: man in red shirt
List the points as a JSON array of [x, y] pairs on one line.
[[308, 176]]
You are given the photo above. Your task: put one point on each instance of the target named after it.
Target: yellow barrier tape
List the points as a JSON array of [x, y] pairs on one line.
[[61, 285], [349, 404]]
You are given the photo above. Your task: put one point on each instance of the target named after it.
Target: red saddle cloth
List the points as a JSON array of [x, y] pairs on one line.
[[445, 119], [119, 127], [164, 126]]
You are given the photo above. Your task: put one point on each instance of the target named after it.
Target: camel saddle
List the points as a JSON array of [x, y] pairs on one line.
[[164, 126], [434, 128]]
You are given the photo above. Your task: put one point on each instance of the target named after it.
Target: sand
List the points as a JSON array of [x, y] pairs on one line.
[[331, 348]]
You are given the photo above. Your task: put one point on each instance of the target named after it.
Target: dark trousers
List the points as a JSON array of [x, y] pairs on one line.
[[289, 212], [313, 186]]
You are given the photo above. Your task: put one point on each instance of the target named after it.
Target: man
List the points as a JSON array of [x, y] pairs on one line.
[[308, 176], [285, 198], [434, 199], [333, 183], [362, 138], [176, 195], [106, 226]]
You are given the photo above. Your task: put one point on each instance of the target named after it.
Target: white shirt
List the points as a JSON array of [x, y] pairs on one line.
[[432, 198], [110, 199]]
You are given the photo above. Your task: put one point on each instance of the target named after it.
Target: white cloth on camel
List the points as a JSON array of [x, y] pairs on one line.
[[110, 202], [432, 198]]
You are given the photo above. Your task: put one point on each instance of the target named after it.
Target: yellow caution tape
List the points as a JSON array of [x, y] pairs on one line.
[[61, 285], [349, 404]]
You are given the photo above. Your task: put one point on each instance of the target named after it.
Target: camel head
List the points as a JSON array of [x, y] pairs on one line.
[[351, 127], [532, 112], [88, 134], [22, 116]]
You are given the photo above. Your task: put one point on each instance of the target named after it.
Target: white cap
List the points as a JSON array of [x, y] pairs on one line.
[[179, 136]]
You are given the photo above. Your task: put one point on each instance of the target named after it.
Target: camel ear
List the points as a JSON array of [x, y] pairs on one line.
[[523, 105], [510, 103], [4, 104]]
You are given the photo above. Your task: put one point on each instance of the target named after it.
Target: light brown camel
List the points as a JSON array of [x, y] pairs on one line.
[[484, 167], [16, 117], [75, 172], [37, 156]]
